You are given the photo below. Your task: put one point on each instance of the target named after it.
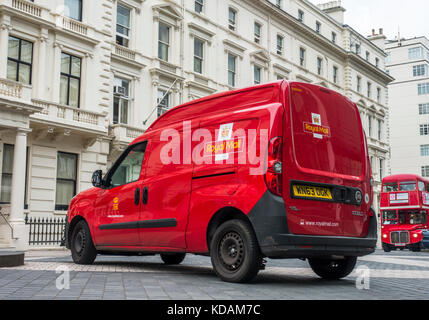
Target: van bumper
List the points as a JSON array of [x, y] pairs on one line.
[[269, 221]]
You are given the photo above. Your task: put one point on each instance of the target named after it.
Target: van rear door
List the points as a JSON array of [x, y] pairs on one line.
[[325, 164]]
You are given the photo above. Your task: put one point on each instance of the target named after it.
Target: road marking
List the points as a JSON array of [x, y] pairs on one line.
[[392, 260]]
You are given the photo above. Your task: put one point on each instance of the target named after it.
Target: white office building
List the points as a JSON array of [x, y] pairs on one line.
[[407, 62], [80, 79]]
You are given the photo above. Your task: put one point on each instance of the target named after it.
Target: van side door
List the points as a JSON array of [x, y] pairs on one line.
[[118, 205], [167, 190]]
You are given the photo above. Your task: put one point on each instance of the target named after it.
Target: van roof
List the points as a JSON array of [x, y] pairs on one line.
[[159, 122]]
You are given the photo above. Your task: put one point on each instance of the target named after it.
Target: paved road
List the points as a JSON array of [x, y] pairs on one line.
[[397, 275]]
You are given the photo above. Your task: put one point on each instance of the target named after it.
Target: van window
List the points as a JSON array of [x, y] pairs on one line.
[[421, 186], [128, 167], [390, 187], [407, 186]]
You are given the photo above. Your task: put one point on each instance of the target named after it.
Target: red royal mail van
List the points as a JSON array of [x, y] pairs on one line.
[[279, 170]]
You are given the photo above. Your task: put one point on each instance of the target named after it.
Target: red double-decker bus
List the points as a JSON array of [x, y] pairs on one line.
[[404, 207]]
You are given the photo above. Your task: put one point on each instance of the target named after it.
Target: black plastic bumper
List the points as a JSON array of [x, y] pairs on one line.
[[66, 241], [269, 221]]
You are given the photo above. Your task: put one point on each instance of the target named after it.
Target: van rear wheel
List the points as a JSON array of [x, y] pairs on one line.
[[235, 252], [333, 269], [173, 258], [82, 248]]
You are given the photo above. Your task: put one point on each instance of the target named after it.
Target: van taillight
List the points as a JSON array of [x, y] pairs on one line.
[[273, 176]]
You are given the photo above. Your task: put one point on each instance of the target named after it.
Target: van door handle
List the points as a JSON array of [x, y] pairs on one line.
[[145, 195], [137, 196]]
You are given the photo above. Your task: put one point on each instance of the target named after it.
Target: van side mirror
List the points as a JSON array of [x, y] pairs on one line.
[[97, 179]]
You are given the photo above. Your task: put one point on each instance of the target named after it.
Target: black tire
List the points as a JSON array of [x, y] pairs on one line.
[[82, 248], [235, 252], [386, 247], [173, 258], [416, 248], [333, 269]]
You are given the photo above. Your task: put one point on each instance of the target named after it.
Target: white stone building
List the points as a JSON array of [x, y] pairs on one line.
[[80, 79], [407, 62]]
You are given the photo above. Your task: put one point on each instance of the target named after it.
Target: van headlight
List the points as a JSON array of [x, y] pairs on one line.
[[384, 236], [415, 235]]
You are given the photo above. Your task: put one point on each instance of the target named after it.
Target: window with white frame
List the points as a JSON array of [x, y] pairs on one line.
[[257, 32], [66, 180], [380, 129], [199, 5], [231, 69], [423, 108], [415, 53], [358, 84], [198, 55], [368, 89], [424, 129], [73, 9], [256, 74], [335, 74], [280, 44], [318, 27], [420, 70], [377, 62], [301, 57], [423, 88], [319, 66], [367, 55], [121, 101], [379, 95], [163, 101], [334, 37], [424, 150], [70, 80], [163, 41], [388, 57], [19, 60], [369, 125], [6, 177], [301, 15], [381, 169], [123, 24], [357, 48], [425, 171], [232, 19]]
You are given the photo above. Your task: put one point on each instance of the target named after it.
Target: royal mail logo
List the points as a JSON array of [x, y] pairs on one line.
[[315, 127], [224, 147]]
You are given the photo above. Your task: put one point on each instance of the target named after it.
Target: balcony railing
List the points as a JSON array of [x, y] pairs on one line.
[[16, 91], [125, 133], [74, 25], [27, 7], [125, 52], [69, 115]]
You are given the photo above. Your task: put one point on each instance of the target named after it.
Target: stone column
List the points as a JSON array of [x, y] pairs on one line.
[[16, 218], [4, 41]]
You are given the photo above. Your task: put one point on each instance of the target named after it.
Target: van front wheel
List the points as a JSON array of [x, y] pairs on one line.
[[82, 248], [234, 252], [333, 269]]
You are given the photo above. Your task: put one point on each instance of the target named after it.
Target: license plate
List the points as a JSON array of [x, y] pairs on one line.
[[400, 244], [312, 192]]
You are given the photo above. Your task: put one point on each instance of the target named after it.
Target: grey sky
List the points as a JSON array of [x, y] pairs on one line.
[[411, 16]]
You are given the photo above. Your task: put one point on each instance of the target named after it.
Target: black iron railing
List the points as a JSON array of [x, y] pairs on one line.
[[46, 231]]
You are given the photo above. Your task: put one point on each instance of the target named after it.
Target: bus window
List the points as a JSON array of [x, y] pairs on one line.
[[402, 217], [418, 217], [390, 187], [390, 217], [421, 186], [407, 186]]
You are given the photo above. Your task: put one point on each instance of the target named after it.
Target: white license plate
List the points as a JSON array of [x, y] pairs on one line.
[[400, 244]]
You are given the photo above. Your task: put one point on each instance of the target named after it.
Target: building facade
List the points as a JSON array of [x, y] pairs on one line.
[[81, 79], [408, 63]]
